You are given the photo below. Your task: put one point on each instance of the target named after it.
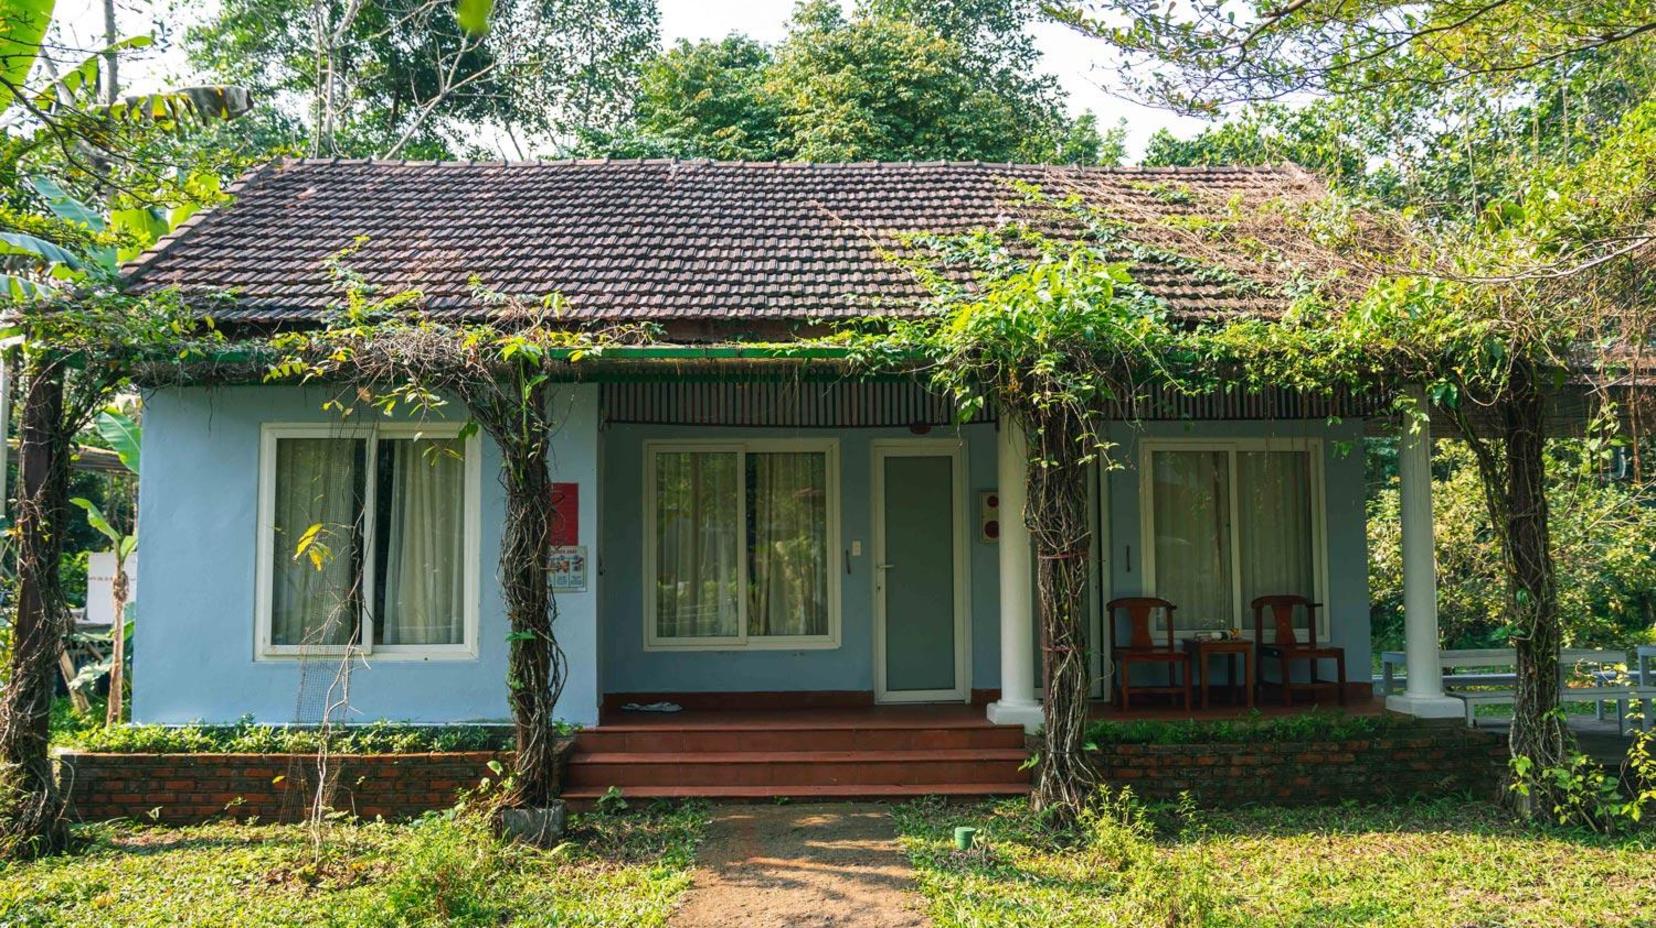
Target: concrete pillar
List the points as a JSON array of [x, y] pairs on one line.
[[575, 459], [1017, 705], [1423, 694]]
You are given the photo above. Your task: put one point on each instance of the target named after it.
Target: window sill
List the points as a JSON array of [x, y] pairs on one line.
[[438, 654], [783, 644]]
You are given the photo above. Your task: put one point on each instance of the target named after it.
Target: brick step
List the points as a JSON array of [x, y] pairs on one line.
[[582, 797], [797, 768], [656, 739]]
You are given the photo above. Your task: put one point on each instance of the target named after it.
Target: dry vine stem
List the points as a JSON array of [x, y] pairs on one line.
[[1062, 446]]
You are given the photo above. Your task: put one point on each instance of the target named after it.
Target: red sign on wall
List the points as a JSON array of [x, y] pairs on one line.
[[566, 514]]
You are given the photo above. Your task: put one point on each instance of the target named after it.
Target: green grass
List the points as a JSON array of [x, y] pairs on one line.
[[1439, 864], [623, 870]]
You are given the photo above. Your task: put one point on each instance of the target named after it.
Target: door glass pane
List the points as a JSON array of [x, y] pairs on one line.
[[697, 506], [787, 537], [1275, 535], [420, 553], [1190, 496], [316, 555]]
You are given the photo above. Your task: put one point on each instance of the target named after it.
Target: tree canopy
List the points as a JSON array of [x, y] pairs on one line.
[[893, 81]]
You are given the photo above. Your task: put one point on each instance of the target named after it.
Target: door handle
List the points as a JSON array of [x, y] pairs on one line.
[[885, 566]]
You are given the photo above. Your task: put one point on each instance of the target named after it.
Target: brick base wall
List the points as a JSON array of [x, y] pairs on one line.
[[190, 788], [1431, 761]]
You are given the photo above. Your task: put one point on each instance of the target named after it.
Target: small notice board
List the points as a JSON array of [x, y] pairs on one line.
[[569, 569]]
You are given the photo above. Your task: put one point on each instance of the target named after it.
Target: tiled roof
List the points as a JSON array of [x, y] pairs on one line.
[[657, 240]]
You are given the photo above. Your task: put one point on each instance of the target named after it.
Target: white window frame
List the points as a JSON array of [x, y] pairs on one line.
[[264, 648], [742, 641], [1242, 616]]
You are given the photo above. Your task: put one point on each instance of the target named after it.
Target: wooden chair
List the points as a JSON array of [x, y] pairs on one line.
[[1144, 649], [1287, 648]]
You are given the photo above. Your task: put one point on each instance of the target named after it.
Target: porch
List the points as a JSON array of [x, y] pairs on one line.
[[731, 751], [847, 544]]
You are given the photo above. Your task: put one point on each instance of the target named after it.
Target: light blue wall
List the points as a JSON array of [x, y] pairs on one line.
[[194, 648], [628, 668], [1347, 595], [194, 656]]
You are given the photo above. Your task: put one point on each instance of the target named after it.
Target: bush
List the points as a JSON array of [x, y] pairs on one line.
[[247, 737], [1253, 729]]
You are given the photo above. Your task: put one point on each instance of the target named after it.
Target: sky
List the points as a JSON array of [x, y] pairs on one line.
[[1073, 58]]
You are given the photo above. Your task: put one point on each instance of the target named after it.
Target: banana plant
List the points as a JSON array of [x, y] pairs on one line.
[[123, 435], [68, 107]]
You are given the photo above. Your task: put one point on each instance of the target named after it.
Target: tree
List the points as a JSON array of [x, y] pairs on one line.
[[1199, 55], [702, 100], [76, 337], [1603, 530], [893, 81], [1313, 137], [403, 77]]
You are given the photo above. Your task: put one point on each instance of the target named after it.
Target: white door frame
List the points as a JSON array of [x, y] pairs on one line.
[[954, 449], [1102, 582]]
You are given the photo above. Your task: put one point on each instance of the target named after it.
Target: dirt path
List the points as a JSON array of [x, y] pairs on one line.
[[801, 866]]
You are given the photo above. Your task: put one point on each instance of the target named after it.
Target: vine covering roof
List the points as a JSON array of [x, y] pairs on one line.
[[664, 241]]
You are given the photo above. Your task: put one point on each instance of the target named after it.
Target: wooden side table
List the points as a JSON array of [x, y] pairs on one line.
[[1201, 650]]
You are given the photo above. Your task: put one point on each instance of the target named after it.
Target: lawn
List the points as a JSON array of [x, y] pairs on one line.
[[621, 870], [1460, 864]]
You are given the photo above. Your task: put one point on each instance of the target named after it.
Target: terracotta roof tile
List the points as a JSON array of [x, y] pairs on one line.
[[657, 240]]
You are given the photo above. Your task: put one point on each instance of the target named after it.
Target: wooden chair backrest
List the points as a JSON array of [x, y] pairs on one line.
[[1282, 620], [1139, 610]]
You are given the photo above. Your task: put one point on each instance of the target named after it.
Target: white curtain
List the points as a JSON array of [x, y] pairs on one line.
[[1274, 490], [787, 572], [698, 538], [422, 541], [314, 595], [1190, 496]]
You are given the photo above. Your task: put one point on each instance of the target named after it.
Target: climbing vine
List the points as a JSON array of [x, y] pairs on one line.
[[389, 355], [72, 357]]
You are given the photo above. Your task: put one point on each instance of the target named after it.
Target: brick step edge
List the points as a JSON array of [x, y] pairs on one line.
[[842, 791], [953, 755]]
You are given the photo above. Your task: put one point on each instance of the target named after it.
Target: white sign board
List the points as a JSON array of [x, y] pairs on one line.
[[100, 586]]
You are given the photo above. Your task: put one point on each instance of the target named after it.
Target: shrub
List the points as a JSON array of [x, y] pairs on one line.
[[247, 737], [1253, 729]]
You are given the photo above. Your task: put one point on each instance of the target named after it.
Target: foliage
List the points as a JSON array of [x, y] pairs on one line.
[[1253, 729], [248, 737], [405, 78], [445, 869], [1199, 55], [1586, 795], [894, 81], [1313, 867], [1313, 137], [1603, 531], [385, 354]]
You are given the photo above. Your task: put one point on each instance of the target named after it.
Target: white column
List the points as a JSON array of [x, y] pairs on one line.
[[1017, 705], [1423, 695]]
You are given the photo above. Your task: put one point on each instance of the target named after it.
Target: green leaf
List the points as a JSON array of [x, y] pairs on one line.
[[22, 288], [95, 518], [19, 243], [65, 206], [123, 435], [145, 223], [473, 15], [84, 76], [23, 26]]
